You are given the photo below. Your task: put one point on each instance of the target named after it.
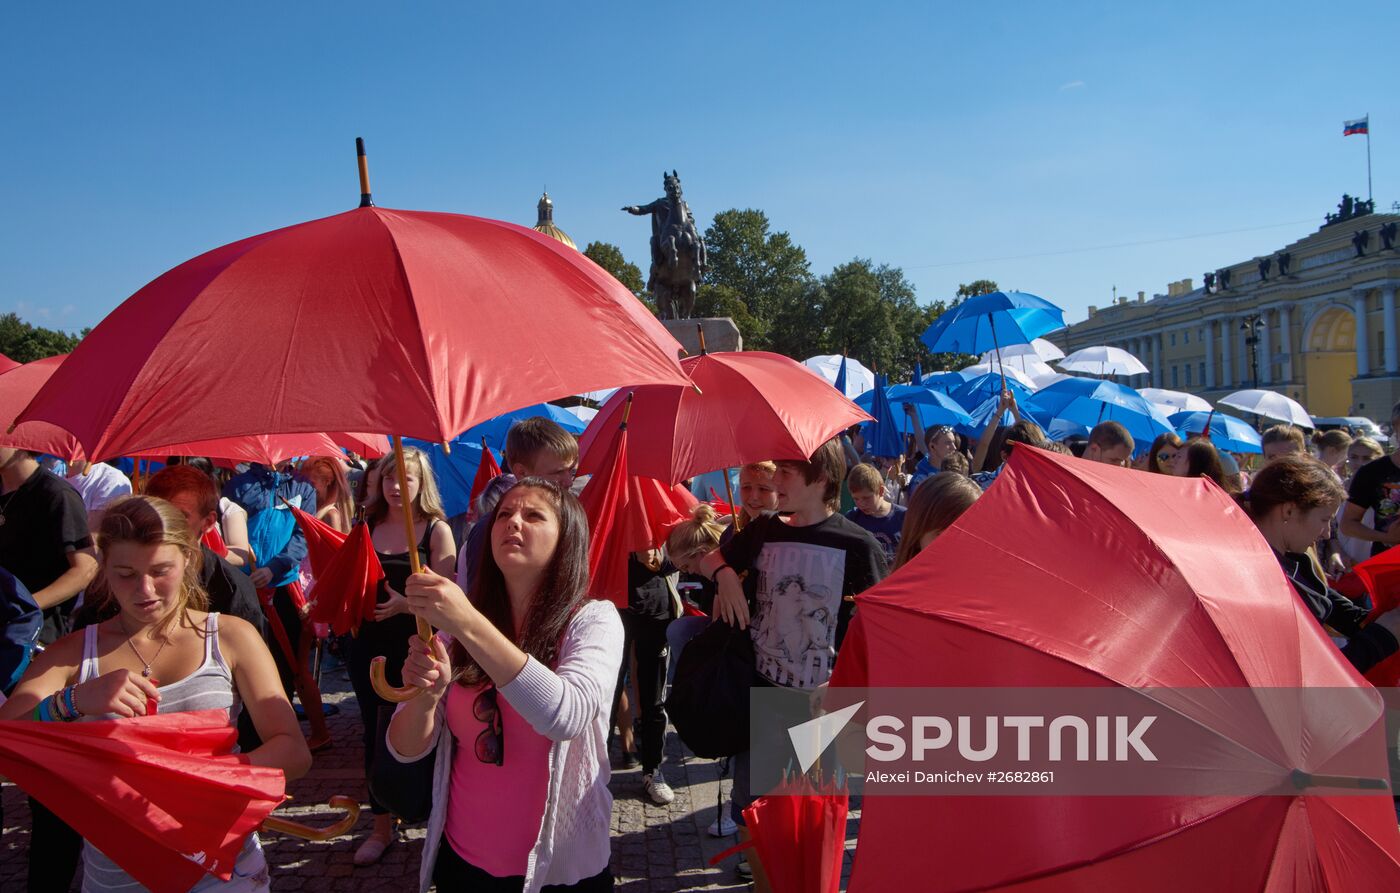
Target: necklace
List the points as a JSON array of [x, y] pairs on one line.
[[131, 643]]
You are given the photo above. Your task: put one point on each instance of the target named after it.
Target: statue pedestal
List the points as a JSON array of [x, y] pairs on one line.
[[720, 334]]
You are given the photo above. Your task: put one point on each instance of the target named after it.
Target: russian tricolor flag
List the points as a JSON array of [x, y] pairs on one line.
[[1360, 125]]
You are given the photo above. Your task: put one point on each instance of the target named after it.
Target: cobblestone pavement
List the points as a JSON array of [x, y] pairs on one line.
[[655, 849]]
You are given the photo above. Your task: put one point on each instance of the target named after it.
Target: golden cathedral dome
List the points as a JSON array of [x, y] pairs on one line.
[[546, 223]]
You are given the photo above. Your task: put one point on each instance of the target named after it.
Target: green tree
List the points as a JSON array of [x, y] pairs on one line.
[[749, 264], [25, 343], [610, 257], [976, 287]]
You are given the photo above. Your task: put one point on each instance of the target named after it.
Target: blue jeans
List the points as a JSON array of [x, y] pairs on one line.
[[681, 631]]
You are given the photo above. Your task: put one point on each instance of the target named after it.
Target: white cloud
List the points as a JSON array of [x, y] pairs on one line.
[[1072, 85]]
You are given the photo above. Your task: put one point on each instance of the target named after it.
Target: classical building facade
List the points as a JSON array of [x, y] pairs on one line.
[[1315, 320]]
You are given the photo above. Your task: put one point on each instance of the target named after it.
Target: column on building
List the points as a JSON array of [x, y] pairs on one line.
[[1285, 342], [1392, 361], [1265, 348], [1156, 377], [1363, 338], [1246, 370], [1210, 353], [1227, 353]]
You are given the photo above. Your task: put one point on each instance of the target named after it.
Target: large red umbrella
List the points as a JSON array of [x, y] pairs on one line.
[[626, 514], [268, 449], [1075, 574], [406, 322], [162, 796], [6, 364], [18, 385], [751, 406]]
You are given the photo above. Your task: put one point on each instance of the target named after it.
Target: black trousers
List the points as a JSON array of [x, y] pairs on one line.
[[54, 851], [647, 636], [387, 639], [453, 874]]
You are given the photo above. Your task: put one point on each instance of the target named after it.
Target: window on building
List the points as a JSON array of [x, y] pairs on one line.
[[1175, 383], [1173, 339], [1186, 339], [1188, 376], [1202, 378]]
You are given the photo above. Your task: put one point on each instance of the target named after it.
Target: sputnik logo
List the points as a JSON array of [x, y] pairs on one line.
[[812, 737]]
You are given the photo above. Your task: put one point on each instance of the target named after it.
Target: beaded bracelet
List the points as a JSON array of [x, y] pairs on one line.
[[68, 701]]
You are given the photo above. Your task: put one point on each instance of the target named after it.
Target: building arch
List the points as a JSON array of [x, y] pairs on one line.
[[1329, 356]]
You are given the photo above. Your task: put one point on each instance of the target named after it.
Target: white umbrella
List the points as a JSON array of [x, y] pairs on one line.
[[1052, 379], [599, 397], [1269, 404], [1012, 372], [584, 413], [1037, 370], [1179, 401], [1103, 360], [859, 379], [1039, 347]]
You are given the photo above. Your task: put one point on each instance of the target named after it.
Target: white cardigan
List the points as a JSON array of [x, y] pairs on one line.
[[570, 706]]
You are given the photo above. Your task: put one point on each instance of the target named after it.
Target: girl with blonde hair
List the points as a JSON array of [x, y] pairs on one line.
[[162, 651]]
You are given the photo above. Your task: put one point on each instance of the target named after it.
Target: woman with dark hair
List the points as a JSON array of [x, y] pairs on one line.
[[1199, 459], [1292, 501], [517, 689], [1163, 453]]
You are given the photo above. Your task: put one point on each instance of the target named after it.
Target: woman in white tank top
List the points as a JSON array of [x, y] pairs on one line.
[[161, 651]]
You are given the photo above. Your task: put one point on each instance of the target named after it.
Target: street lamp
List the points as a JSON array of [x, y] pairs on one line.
[[1253, 326]]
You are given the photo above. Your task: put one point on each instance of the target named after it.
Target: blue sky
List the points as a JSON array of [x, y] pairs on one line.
[[944, 139]]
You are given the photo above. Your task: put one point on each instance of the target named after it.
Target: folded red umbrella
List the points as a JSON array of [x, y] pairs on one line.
[[348, 585], [323, 541], [18, 385], [161, 796], [751, 406], [1074, 574], [1380, 575], [799, 834], [486, 472], [626, 514]]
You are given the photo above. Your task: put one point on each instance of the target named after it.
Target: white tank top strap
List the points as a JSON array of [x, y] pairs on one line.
[[211, 642], [88, 669]]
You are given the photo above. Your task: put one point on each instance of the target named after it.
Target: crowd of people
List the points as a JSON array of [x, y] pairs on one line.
[[190, 592]]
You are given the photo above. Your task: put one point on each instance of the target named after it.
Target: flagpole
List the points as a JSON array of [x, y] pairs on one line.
[[1370, 197]]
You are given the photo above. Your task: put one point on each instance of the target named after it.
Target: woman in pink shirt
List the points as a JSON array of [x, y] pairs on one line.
[[518, 688]]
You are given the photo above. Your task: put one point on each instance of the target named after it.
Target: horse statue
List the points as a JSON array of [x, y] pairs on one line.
[[677, 251]]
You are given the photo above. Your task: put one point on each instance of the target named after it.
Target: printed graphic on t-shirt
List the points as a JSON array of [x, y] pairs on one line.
[[794, 629], [1389, 507]]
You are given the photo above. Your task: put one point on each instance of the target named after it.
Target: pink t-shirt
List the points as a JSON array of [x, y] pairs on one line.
[[494, 812]]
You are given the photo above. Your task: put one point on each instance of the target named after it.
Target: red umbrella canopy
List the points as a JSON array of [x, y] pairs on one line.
[[369, 446], [161, 795], [626, 514], [269, 449], [412, 322], [6, 364], [18, 385], [753, 406], [1076, 574]]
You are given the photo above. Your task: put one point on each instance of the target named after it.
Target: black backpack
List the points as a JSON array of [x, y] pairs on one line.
[[709, 700]]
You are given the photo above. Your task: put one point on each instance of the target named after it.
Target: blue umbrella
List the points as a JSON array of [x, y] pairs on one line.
[[933, 407], [986, 322], [1145, 423], [882, 436], [946, 382], [494, 430], [977, 391], [454, 473], [840, 383], [1226, 432], [980, 416], [1049, 401]]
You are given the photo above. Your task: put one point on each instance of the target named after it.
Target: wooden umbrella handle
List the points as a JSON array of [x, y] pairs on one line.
[[350, 805], [425, 631]]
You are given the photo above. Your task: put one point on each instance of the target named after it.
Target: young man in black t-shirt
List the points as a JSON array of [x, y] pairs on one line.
[[803, 573], [45, 542], [1376, 487]]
